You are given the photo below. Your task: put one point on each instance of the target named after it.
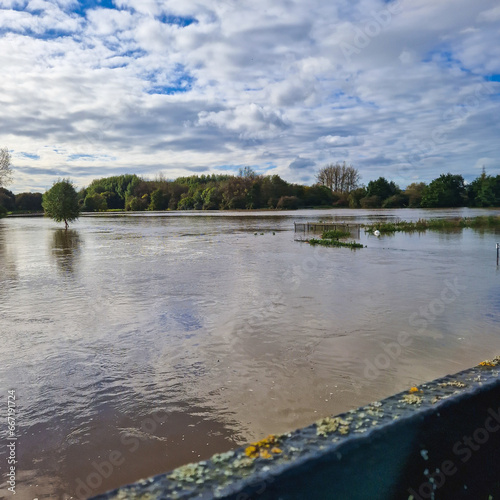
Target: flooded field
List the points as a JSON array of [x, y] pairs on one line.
[[146, 341]]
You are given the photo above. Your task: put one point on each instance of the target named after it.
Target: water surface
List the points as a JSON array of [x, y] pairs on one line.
[[168, 337]]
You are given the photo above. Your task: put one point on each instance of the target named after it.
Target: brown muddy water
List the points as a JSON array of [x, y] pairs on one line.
[[137, 343]]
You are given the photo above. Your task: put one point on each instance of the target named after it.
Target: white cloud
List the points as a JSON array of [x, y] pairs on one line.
[[167, 85]]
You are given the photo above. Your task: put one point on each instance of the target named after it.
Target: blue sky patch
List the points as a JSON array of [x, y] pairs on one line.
[[75, 157], [177, 20], [183, 83], [31, 156], [82, 6]]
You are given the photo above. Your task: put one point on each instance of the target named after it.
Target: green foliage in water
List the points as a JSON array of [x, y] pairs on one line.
[[335, 234], [335, 243], [421, 225], [332, 237]]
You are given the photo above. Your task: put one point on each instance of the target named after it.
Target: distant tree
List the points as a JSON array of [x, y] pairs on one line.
[[136, 203], [484, 191], [356, 196], [186, 202], [316, 196], [95, 203], [396, 201], [446, 191], [120, 185], [234, 193], [272, 188], [7, 200], [5, 167], [288, 203], [415, 191], [60, 202], [339, 178], [29, 202], [247, 172], [212, 198], [382, 188], [159, 200], [373, 201]]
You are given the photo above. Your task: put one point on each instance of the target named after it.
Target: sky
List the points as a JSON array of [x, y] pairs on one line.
[[406, 89]]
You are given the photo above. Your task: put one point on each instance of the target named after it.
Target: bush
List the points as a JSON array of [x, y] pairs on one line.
[[95, 203], [136, 204], [288, 203], [371, 202], [396, 201]]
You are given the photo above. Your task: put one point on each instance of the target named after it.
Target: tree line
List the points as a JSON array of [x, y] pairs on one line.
[[337, 186]]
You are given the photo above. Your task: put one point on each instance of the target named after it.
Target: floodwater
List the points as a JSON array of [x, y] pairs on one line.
[[137, 343]]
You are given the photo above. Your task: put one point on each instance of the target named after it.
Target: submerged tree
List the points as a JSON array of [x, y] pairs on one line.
[[5, 164], [60, 202]]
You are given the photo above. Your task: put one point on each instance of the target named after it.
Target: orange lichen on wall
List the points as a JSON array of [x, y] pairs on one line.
[[265, 448]]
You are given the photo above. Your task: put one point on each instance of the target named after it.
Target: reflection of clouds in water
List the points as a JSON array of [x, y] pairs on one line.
[[7, 260], [66, 249]]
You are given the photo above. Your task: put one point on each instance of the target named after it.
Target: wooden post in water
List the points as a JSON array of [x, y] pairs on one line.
[[498, 250]]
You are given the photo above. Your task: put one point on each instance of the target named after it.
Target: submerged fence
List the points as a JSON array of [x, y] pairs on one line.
[[318, 227]]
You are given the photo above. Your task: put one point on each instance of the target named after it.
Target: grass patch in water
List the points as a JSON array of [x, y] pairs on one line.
[[335, 243], [482, 221], [335, 234]]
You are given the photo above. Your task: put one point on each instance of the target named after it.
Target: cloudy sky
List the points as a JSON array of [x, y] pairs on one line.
[[408, 89]]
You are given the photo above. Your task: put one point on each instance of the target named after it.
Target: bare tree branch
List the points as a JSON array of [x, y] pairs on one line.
[[339, 178], [5, 170]]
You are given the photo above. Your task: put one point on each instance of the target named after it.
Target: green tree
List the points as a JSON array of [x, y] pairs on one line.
[[60, 202], [382, 188], [415, 191], [5, 164], [396, 201], [356, 196], [288, 203], [485, 191], [95, 203], [7, 199], [159, 200], [212, 198], [446, 191], [29, 202]]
